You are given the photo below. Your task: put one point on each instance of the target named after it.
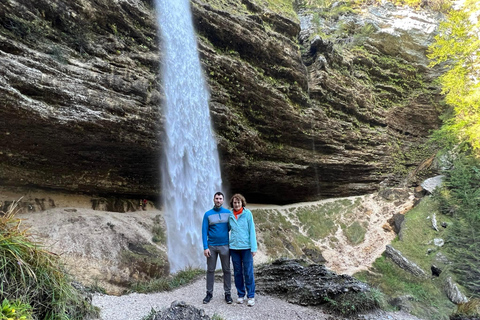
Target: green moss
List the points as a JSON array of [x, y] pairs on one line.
[[145, 259], [354, 302], [280, 237], [282, 7], [355, 233], [404, 156], [235, 7], [320, 221]]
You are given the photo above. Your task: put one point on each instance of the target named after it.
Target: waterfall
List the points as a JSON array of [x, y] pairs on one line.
[[190, 167]]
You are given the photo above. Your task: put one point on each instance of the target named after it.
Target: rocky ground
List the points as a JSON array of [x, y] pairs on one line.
[[93, 242], [135, 306]]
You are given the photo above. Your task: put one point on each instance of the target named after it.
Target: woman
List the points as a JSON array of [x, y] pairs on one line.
[[243, 247]]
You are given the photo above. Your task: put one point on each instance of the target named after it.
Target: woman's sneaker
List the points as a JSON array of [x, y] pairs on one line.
[[251, 302], [240, 300], [228, 298]]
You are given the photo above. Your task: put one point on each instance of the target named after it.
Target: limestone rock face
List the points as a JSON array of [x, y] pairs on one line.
[[80, 99], [298, 115], [110, 249]]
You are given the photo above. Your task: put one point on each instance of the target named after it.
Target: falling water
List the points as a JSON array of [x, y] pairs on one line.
[[190, 168]]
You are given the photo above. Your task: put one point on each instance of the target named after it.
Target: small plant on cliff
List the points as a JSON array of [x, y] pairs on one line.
[[33, 276]]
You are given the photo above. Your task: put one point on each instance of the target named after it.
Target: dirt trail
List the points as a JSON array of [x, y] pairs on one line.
[[136, 306]]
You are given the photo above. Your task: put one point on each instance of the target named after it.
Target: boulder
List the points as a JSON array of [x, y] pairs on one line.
[[438, 242], [304, 284], [434, 222], [396, 222], [179, 310], [403, 262], [436, 271], [431, 184], [453, 292], [403, 303]]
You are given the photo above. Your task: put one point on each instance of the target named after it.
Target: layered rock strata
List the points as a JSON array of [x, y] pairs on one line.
[[307, 107]]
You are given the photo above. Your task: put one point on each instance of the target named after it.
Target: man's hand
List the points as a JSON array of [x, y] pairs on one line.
[[253, 254], [207, 253]]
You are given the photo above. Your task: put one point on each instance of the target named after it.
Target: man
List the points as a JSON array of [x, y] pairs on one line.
[[215, 243]]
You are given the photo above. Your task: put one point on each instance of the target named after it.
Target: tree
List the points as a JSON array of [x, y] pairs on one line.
[[457, 47]]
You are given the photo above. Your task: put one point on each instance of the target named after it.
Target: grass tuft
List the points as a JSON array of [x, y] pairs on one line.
[[33, 276], [354, 302], [355, 233], [171, 282], [469, 309]]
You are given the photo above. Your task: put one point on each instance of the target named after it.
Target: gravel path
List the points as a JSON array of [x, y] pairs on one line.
[[135, 306]]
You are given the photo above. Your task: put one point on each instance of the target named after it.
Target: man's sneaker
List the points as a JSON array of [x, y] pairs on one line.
[[240, 300], [251, 302], [208, 297], [228, 298]]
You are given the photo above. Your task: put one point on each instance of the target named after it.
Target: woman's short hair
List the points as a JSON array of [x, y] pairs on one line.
[[239, 197]]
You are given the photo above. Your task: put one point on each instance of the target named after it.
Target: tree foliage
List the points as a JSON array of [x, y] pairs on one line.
[[457, 48], [460, 197], [436, 5]]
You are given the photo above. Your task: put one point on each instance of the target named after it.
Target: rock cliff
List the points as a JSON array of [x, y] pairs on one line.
[[305, 106]]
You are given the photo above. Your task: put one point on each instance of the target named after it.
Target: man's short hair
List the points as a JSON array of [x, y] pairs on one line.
[[219, 194]]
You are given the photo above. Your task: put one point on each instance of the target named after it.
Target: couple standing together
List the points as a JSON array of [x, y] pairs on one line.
[[241, 245]]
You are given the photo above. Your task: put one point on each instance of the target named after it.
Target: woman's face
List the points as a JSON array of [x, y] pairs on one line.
[[237, 204]]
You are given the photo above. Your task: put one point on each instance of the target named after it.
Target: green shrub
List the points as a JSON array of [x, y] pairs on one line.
[[354, 302], [469, 309], [216, 316], [31, 274], [461, 192], [460, 197]]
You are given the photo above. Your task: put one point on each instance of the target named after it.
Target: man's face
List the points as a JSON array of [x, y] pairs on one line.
[[218, 200]]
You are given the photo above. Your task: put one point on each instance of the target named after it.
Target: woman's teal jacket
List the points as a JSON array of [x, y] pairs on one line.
[[242, 231]]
